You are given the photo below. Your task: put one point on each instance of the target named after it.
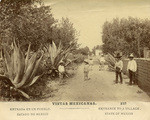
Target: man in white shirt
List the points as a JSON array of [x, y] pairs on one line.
[[132, 68], [118, 68]]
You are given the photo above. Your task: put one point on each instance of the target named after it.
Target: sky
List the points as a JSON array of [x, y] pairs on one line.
[[88, 16]]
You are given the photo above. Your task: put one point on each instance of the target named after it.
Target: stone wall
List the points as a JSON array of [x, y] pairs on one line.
[[143, 72]]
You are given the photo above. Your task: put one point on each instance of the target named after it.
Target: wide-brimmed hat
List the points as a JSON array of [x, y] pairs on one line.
[[131, 56], [118, 55], [86, 61], [61, 62]]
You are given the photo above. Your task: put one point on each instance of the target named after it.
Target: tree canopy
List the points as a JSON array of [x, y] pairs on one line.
[[128, 35], [83, 51], [29, 21]]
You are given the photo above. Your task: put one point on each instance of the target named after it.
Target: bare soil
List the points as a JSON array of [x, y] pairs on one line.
[[100, 87]]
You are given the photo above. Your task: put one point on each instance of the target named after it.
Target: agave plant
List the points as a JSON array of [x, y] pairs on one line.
[[57, 54], [111, 61], [21, 70]]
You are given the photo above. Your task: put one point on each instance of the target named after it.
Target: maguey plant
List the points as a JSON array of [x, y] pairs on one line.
[[21, 70], [56, 55], [110, 61]]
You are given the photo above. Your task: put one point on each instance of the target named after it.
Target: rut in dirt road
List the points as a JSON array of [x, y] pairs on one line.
[[100, 87]]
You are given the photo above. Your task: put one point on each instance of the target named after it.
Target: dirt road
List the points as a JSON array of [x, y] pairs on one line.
[[100, 87]]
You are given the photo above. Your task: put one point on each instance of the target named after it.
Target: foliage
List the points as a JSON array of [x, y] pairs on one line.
[[40, 89], [20, 70], [55, 55], [110, 61], [34, 23], [37, 91], [31, 24], [126, 35], [29, 21], [80, 58], [83, 51], [98, 47], [64, 32]]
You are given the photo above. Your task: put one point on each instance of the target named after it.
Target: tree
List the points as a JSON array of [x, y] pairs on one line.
[[83, 51], [126, 35], [27, 23], [64, 32], [34, 26], [9, 10]]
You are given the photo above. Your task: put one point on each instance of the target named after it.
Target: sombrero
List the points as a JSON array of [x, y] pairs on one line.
[[131, 56], [86, 61], [118, 56]]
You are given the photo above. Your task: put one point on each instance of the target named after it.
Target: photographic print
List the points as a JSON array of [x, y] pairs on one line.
[[70, 50], [75, 52]]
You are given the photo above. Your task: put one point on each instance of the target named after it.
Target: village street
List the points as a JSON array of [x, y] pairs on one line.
[[100, 87]]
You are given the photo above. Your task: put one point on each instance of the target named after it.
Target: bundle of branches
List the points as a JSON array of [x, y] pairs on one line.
[[20, 71], [55, 55], [110, 61]]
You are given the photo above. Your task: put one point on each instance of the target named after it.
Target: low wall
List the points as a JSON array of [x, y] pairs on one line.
[[143, 72]]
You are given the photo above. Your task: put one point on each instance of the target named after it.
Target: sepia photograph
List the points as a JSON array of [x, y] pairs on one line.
[[74, 50]]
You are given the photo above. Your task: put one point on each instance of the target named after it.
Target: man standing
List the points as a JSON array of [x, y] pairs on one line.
[[86, 70], [101, 62], [91, 63], [118, 68], [61, 69], [132, 68]]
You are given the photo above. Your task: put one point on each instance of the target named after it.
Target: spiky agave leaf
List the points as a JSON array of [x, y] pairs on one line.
[[23, 93], [20, 63], [54, 54], [58, 59], [15, 56], [57, 54], [34, 72], [28, 71], [59, 49], [54, 47], [56, 51], [111, 61], [9, 70], [12, 58], [21, 66], [34, 80], [27, 56], [16, 72], [50, 51]]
